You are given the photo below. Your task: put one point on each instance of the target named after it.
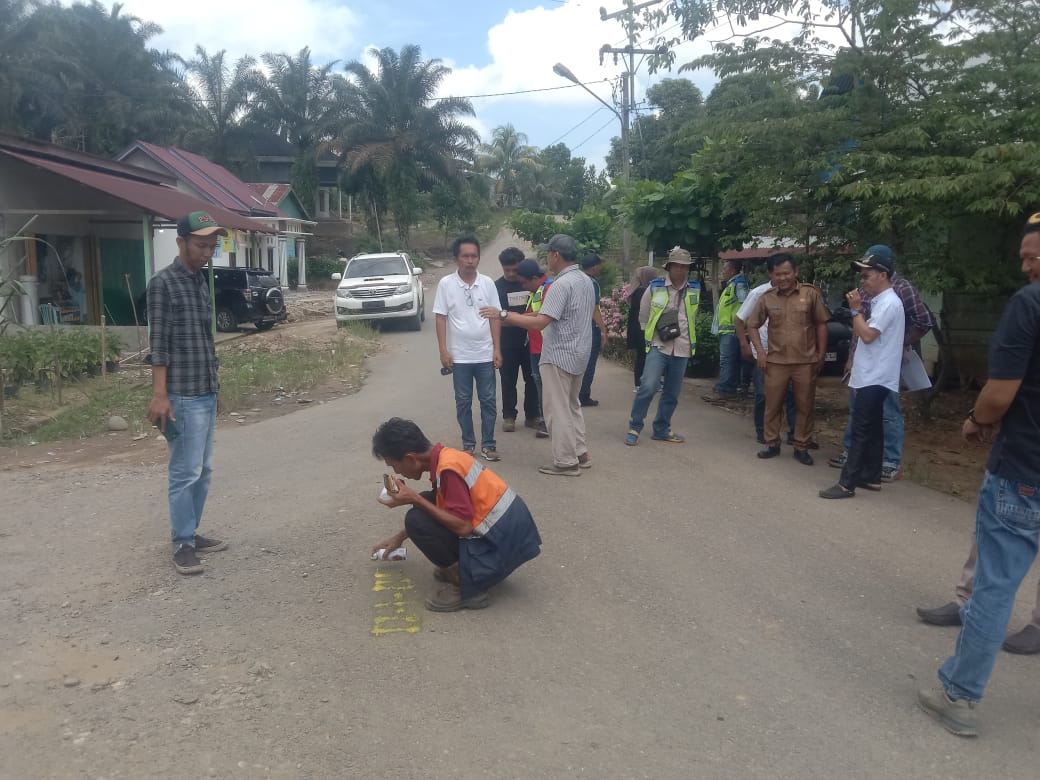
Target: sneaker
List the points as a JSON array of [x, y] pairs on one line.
[[948, 614], [891, 474], [449, 599], [542, 432], [584, 461], [956, 715], [490, 453], [469, 449], [588, 402], [560, 471], [185, 561], [632, 437], [204, 544], [508, 425], [533, 422], [839, 461]]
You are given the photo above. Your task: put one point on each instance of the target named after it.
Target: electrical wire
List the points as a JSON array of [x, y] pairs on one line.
[[583, 121], [609, 122], [528, 91]]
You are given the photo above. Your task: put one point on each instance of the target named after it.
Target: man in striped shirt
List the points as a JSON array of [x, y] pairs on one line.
[[184, 382]]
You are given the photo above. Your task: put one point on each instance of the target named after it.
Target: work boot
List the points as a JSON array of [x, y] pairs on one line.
[[946, 615], [803, 457], [956, 715], [449, 599], [508, 425], [448, 574], [1025, 642]]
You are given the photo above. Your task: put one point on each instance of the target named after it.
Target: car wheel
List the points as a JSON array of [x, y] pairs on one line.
[[265, 325], [226, 320], [422, 311]]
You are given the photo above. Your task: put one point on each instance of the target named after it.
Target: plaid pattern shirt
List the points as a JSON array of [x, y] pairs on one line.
[[180, 317], [918, 315]]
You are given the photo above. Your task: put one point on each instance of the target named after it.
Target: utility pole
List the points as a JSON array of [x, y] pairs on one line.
[[628, 57]]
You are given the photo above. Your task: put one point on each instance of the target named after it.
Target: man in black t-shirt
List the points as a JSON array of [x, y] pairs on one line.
[[515, 356], [1007, 519]]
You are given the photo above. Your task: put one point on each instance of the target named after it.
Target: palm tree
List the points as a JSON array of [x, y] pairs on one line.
[[400, 140], [508, 157], [14, 66], [222, 96], [304, 105]]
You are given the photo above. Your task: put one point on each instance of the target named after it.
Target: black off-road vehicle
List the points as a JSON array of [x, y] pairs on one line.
[[241, 295]]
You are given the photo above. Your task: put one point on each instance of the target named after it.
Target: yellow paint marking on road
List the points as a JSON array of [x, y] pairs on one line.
[[399, 615]]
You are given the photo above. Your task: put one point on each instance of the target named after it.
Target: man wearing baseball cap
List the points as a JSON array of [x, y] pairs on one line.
[[875, 373], [184, 382]]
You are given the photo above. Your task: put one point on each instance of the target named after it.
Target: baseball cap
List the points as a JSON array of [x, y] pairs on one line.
[[878, 256], [563, 244], [198, 223], [528, 268], [591, 260], [678, 255]]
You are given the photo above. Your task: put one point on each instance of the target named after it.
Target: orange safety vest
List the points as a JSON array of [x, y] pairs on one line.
[[491, 496]]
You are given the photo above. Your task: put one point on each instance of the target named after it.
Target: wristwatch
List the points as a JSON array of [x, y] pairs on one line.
[[502, 314], [854, 312]]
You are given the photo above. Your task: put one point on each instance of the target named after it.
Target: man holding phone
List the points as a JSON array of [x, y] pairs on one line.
[[184, 382]]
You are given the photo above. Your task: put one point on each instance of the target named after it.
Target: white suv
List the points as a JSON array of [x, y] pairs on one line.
[[380, 287]]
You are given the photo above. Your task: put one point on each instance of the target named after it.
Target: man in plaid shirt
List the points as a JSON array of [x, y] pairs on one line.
[[184, 382], [919, 320]]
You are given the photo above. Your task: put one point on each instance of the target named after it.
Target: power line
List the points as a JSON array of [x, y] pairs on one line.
[[527, 91], [609, 122], [583, 121]]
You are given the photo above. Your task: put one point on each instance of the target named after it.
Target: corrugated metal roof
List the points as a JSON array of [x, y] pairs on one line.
[[217, 183], [153, 198], [271, 193]]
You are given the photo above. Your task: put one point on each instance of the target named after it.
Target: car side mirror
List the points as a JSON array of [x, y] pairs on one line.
[[337, 277], [416, 271]]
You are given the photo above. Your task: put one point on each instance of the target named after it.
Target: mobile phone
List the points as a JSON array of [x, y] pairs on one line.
[[390, 485], [173, 428], [445, 370]]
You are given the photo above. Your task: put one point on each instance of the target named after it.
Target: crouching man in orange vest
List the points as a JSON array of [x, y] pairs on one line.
[[471, 526]]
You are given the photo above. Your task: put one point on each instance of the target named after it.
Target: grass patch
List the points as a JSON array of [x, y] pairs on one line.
[[249, 369]]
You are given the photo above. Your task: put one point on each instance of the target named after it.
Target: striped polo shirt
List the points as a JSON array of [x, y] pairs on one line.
[[569, 302]]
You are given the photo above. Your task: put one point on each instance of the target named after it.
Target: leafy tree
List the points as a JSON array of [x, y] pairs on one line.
[[533, 227], [574, 180], [399, 140], [591, 228], [15, 69]]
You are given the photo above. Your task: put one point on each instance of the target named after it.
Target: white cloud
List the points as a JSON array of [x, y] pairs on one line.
[[251, 26]]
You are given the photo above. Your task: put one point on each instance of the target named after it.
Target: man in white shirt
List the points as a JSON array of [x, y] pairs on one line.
[[469, 343], [875, 373]]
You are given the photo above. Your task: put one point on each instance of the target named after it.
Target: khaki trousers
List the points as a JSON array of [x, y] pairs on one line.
[[802, 377], [562, 412], [964, 586]]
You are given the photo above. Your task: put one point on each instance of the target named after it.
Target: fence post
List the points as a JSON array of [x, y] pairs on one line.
[[104, 351]]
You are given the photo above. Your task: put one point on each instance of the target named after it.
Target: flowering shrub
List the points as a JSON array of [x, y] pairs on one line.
[[615, 311]]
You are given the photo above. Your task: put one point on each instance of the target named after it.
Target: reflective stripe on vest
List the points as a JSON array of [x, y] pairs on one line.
[[534, 300], [659, 301], [491, 496]]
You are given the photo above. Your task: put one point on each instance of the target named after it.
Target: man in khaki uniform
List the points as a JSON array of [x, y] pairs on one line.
[[797, 321]]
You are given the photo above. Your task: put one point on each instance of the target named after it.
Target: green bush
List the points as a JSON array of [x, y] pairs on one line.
[[319, 269], [536, 228], [706, 362], [56, 353]]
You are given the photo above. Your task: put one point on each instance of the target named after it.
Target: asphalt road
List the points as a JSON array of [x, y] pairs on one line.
[[694, 613]]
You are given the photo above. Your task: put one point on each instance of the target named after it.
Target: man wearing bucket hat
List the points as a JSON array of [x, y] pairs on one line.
[[875, 373], [184, 382], [667, 315]]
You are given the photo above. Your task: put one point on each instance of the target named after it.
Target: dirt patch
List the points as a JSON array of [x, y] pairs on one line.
[[141, 444]]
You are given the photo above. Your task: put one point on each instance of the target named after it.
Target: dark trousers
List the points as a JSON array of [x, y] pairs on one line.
[[515, 361], [868, 438], [434, 541], [640, 363], [584, 393]]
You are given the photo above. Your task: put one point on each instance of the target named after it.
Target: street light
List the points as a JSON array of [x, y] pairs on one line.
[[562, 70]]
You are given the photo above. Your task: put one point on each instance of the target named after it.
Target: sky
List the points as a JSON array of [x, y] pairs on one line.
[[492, 46]]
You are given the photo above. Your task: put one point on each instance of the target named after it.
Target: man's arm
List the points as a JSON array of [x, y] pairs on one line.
[[529, 321], [408, 496], [442, 340], [919, 317], [159, 408], [597, 317], [496, 337], [742, 337]]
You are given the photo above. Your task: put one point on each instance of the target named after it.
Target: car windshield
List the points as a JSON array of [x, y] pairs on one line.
[[376, 266]]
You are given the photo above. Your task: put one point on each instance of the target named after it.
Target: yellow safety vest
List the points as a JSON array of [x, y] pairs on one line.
[[658, 303]]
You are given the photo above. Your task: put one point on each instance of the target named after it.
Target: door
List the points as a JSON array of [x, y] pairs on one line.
[[120, 258]]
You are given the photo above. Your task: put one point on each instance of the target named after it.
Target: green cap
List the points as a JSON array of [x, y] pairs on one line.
[[198, 223]]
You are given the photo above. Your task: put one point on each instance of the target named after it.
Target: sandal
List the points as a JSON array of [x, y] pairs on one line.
[[674, 438]]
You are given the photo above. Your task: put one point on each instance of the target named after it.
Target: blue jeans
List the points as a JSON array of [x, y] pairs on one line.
[[191, 464], [536, 375], [759, 381], [590, 368], [464, 377], [1007, 524], [729, 364], [673, 369], [894, 430]]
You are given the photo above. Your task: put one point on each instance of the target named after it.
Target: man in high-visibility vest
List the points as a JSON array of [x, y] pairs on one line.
[[734, 292], [668, 316], [471, 525], [536, 282]]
